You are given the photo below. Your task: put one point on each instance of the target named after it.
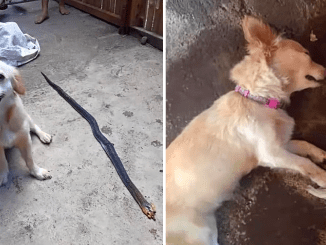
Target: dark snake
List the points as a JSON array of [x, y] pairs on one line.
[[147, 208]]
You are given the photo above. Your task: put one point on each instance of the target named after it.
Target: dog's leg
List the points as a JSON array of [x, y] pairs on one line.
[[316, 154], [281, 158], [305, 149], [3, 167], [24, 144], [44, 137]]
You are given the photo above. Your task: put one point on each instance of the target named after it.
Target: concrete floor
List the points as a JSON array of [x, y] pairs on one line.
[[120, 83]]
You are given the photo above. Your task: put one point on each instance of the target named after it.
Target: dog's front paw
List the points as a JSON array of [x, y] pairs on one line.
[[3, 177], [45, 138], [41, 174], [318, 157]]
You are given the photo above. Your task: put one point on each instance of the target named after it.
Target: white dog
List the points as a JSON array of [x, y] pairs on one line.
[[15, 124], [241, 130]]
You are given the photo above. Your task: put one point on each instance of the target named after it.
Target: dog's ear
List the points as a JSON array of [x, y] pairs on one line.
[[17, 83], [258, 34]]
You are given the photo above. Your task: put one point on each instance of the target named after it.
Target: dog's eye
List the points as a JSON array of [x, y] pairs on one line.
[[2, 77], [310, 78], [307, 53]]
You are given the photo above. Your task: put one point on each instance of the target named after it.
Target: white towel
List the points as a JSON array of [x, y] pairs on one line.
[[16, 48]]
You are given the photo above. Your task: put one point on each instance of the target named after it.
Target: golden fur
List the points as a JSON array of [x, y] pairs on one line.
[[236, 134], [15, 124]]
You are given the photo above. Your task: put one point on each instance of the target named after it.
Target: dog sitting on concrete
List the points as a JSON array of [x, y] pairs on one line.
[[16, 124], [243, 129]]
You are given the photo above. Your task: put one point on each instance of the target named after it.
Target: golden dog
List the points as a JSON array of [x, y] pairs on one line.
[[240, 131]]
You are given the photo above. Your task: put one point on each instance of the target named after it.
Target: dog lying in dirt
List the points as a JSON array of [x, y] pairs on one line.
[[243, 129], [16, 124]]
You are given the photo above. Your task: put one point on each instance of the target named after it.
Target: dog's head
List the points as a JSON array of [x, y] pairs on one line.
[[10, 80], [288, 59]]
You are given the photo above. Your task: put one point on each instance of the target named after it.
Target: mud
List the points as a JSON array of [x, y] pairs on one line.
[[272, 207]]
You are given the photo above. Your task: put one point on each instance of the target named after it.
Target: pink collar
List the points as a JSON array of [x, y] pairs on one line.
[[272, 103]]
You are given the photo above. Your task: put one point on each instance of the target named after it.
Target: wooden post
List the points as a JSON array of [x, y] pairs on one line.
[[125, 17]]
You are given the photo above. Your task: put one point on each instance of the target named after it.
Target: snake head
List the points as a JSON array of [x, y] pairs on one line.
[[149, 211]]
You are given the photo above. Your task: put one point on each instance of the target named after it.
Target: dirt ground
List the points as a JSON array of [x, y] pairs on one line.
[[120, 82]]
